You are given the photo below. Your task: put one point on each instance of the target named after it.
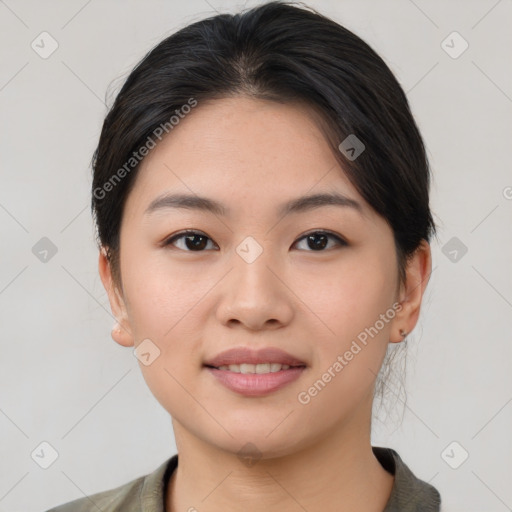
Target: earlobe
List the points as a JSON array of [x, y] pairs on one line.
[[418, 270], [121, 331], [121, 335]]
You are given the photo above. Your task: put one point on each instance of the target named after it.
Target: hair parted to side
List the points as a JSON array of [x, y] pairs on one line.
[[284, 52]]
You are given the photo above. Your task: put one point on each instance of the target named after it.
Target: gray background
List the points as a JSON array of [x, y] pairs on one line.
[[63, 380]]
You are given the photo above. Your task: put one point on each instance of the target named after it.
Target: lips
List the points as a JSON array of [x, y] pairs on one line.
[[256, 385], [246, 355]]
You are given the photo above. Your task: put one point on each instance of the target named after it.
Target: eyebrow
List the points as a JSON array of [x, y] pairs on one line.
[[298, 205]]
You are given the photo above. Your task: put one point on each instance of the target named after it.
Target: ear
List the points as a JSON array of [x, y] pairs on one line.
[[121, 332], [418, 270]]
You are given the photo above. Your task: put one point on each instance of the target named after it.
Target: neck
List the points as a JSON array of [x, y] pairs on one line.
[[337, 472]]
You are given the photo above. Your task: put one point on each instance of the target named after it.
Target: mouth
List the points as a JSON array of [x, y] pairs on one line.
[[249, 360], [252, 372], [255, 380], [259, 369]]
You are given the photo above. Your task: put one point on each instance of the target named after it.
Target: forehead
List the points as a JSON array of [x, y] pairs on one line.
[[244, 152]]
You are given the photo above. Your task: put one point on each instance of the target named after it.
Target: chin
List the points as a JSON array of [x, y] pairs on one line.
[[251, 448], [265, 440]]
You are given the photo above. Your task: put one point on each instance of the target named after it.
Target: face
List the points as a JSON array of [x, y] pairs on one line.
[[251, 277]]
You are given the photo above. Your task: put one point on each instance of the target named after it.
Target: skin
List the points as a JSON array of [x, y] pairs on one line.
[[252, 155]]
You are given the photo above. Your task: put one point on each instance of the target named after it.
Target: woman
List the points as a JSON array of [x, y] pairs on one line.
[[261, 193]]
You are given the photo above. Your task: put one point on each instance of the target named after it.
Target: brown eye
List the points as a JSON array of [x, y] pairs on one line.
[[194, 241], [318, 240]]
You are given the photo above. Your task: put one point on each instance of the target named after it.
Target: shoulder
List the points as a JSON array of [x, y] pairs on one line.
[[145, 493], [118, 498], [409, 493]]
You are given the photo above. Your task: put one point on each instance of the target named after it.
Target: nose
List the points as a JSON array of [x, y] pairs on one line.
[[255, 294]]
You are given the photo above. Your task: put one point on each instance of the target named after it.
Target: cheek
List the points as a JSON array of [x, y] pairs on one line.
[[351, 338], [164, 308], [162, 294], [348, 296], [168, 304]]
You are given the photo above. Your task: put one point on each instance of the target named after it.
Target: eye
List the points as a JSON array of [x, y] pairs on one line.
[[196, 241], [318, 240]]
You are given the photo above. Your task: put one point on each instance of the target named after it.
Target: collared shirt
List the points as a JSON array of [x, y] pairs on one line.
[[148, 493]]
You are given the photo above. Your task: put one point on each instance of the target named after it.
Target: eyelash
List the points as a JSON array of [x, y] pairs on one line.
[[339, 241]]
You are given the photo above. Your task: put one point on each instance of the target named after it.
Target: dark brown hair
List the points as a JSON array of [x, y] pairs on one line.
[[278, 52]]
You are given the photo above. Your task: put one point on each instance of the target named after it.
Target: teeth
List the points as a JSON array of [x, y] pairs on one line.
[[255, 368], [262, 368]]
